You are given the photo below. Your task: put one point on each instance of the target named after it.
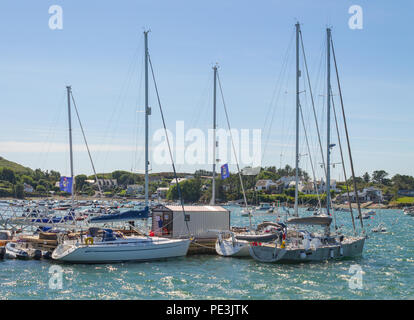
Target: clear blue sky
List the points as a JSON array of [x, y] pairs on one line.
[[99, 53]]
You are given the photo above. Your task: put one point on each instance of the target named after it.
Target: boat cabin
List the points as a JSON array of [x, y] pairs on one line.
[[170, 221]]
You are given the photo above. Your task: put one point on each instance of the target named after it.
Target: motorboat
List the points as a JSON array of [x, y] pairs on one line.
[[264, 206]]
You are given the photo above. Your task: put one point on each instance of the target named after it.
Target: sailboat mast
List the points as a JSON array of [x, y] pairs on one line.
[[297, 121], [68, 89], [328, 133], [147, 113], [213, 195]]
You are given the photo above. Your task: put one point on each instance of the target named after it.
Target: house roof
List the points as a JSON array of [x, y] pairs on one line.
[[197, 208], [173, 181], [261, 183]]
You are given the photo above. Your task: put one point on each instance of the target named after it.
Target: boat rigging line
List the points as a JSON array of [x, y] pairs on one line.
[[347, 138], [86, 142], [310, 157], [234, 149], [313, 103], [168, 143], [343, 165]]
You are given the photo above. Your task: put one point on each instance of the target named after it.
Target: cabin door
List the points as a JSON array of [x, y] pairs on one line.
[[167, 223]]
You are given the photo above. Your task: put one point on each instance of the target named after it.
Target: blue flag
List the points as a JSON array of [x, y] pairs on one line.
[[225, 171], [65, 184]]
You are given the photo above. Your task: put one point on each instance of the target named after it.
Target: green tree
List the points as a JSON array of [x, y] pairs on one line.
[[290, 192], [366, 177], [190, 191], [38, 174], [27, 179], [403, 182], [125, 179], [379, 176], [80, 181], [8, 175], [19, 191], [54, 176], [40, 188]]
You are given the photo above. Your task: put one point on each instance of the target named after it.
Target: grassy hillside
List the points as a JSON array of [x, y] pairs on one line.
[[13, 166]]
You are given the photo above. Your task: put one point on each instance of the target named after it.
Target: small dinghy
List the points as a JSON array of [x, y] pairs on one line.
[[237, 244], [246, 212], [16, 250], [231, 247], [380, 228], [13, 252]]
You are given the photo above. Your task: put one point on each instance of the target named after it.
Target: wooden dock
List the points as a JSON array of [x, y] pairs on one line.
[[202, 246]]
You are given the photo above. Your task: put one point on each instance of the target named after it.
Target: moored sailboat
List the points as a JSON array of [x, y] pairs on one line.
[[108, 246], [303, 245]]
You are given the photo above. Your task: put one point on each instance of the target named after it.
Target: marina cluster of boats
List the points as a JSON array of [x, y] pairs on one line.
[[108, 232], [286, 239], [73, 236]]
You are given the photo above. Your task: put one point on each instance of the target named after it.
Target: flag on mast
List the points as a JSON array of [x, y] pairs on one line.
[[65, 184], [225, 171]]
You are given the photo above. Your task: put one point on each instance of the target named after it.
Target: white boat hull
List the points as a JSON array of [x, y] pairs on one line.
[[228, 248], [132, 249], [270, 253]]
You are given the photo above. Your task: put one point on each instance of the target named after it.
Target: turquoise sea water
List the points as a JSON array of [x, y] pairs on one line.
[[387, 273]]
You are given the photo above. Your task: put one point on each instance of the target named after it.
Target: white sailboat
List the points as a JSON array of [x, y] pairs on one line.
[[100, 249], [299, 245], [106, 246], [236, 244]]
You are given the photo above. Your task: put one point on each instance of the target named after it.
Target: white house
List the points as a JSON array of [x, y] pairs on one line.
[[301, 186], [286, 181], [322, 186], [162, 192], [265, 185], [107, 183], [174, 181], [27, 188], [134, 189], [367, 194]]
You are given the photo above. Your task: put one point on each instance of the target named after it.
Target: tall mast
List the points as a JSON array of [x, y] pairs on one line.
[[68, 89], [296, 213], [213, 195], [147, 113], [328, 134]]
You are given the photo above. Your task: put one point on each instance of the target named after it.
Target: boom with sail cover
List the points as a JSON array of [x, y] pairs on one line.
[[129, 215]]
